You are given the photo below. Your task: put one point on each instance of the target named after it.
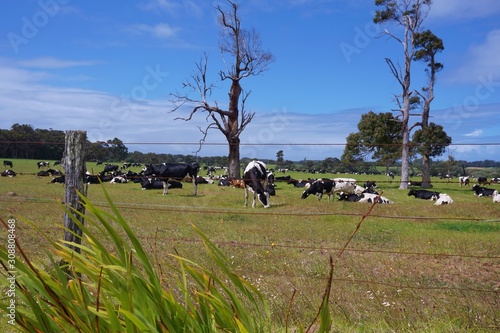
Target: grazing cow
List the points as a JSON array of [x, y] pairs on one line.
[[483, 181], [329, 187], [480, 191], [8, 163], [42, 164], [496, 196], [495, 180], [443, 199], [424, 194], [463, 180], [178, 171], [8, 173], [390, 176], [255, 176]]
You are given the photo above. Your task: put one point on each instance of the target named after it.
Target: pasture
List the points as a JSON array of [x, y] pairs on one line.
[[411, 266]]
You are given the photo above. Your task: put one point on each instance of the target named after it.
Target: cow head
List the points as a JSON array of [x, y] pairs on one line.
[[315, 188]]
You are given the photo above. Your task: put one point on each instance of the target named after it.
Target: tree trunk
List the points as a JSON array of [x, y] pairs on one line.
[[426, 171], [74, 167], [234, 158]]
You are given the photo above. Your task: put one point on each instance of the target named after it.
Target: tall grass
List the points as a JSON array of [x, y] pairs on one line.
[[113, 285]]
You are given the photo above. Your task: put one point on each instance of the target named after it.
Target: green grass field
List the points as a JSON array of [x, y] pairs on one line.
[[412, 266]]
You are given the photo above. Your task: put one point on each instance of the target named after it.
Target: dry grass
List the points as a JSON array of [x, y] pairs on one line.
[[412, 266]]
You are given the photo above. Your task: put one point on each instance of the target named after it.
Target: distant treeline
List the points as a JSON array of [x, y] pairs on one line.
[[25, 141]]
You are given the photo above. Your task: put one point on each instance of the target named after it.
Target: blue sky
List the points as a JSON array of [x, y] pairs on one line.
[[110, 67]]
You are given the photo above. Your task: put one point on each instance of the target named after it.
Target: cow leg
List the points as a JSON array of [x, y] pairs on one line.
[[246, 196], [254, 199], [165, 187], [195, 186]]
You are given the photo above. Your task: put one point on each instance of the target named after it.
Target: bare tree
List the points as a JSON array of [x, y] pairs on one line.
[[243, 57], [408, 14]]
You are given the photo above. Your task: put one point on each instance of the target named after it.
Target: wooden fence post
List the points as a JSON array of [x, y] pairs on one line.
[[74, 166]]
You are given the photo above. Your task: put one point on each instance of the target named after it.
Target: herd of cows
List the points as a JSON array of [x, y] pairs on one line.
[[257, 179]]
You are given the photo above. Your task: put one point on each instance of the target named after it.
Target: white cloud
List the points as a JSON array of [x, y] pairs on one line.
[[475, 133], [51, 63], [161, 30], [463, 9], [481, 62]]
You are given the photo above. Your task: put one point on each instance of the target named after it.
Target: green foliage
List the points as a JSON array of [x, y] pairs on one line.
[[114, 285], [431, 140], [379, 135]]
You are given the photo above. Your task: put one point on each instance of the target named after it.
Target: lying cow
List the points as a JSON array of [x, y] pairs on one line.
[[363, 197], [480, 191], [496, 196], [8, 173], [237, 183], [443, 199], [424, 194]]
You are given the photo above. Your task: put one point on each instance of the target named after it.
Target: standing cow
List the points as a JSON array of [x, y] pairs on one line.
[[255, 176], [176, 171]]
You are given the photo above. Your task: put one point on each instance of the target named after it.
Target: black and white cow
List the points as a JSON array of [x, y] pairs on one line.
[[351, 197], [175, 171], [363, 197], [42, 164], [58, 180], [463, 180], [480, 191], [298, 183], [372, 197], [329, 187], [9, 173], [8, 163], [110, 168], [255, 176], [370, 185], [156, 184], [224, 181], [424, 194]]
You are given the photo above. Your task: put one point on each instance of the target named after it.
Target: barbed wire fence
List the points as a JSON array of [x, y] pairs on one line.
[[464, 290]]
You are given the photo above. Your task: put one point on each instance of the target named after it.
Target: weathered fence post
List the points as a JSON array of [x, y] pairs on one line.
[[74, 166]]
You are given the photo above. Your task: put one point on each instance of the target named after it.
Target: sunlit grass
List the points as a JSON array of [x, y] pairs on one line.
[[425, 251]]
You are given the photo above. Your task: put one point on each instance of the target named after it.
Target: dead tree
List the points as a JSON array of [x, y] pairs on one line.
[[74, 166], [243, 56]]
